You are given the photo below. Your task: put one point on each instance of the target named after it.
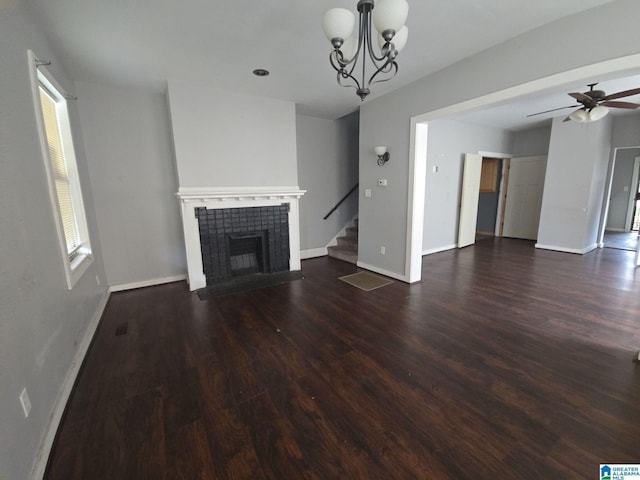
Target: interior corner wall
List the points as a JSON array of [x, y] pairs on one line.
[[626, 131], [574, 185], [227, 139], [447, 143], [386, 120], [327, 170], [130, 156], [533, 142], [43, 323]]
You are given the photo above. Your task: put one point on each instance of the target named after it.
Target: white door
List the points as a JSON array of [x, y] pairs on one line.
[[469, 199], [524, 197]]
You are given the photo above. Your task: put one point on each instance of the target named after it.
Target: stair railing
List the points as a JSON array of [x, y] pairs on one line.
[[355, 187]]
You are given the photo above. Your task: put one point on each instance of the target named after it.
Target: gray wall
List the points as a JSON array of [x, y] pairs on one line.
[[327, 170], [384, 219], [41, 321], [622, 176], [131, 164], [626, 131], [227, 139], [574, 184], [531, 143], [447, 143]]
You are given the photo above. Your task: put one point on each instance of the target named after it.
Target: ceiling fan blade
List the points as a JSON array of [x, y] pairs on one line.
[[625, 93], [581, 97], [552, 110], [629, 105]]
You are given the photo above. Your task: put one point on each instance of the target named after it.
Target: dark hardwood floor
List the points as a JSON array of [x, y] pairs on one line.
[[504, 362]]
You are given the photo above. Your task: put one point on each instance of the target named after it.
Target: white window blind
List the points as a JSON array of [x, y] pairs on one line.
[[60, 172]]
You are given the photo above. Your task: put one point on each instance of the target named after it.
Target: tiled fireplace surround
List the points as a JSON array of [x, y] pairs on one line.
[[233, 202]]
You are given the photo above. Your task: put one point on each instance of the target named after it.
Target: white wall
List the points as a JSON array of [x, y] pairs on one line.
[[531, 143], [327, 170], [387, 119], [447, 143], [227, 139], [130, 155], [42, 323], [622, 176], [574, 185]]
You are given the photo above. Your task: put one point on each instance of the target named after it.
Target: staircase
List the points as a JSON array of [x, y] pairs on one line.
[[347, 248]]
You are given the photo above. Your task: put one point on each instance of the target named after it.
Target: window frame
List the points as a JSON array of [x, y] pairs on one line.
[[77, 261]]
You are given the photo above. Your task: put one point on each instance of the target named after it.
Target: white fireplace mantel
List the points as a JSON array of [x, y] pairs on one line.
[[237, 197]]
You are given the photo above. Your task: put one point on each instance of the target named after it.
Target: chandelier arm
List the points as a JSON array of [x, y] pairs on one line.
[[341, 67], [335, 59], [363, 41], [344, 75], [392, 66]]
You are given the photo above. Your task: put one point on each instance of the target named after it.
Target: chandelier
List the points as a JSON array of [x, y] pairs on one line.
[[339, 27]]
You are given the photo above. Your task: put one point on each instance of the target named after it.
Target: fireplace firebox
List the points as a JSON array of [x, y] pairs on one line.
[[242, 241]]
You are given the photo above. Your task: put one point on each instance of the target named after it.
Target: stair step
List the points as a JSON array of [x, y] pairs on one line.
[[350, 242], [343, 254], [352, 232], [347, 248]]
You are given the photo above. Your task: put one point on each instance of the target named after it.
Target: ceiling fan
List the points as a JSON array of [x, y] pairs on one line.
[[595, 104]]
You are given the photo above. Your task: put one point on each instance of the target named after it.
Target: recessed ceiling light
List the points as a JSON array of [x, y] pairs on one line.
[[260, 72]]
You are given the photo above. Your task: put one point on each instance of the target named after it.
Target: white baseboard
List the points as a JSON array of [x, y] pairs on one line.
[[621, 230], [439, 249], [313, 253], [46, 443], [146, 283], [579, 251], [381, 271]]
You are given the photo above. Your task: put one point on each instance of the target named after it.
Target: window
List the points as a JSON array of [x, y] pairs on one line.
[[60, 164]]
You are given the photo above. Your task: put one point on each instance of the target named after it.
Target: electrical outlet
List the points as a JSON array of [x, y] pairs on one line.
[[383, 250], [367, 192], [25, 402]]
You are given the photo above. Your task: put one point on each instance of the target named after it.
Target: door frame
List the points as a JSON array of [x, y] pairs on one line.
[[633, 190], [504, 179], [604, 214]]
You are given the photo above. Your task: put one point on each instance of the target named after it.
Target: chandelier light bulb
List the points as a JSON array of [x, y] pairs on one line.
[[390, 15], [598, 112], [400, 38], [580, 115], [349, 47], [338, 23]]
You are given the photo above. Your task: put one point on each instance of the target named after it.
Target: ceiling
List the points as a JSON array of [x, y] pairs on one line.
[[142, 43]]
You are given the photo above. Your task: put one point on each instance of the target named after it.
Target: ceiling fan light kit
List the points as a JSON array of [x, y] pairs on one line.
[[339, 25], [595, 104], [583, 115]]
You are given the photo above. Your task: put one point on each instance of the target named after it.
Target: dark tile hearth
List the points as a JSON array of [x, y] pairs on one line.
[[245, 283], [220, 228]]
